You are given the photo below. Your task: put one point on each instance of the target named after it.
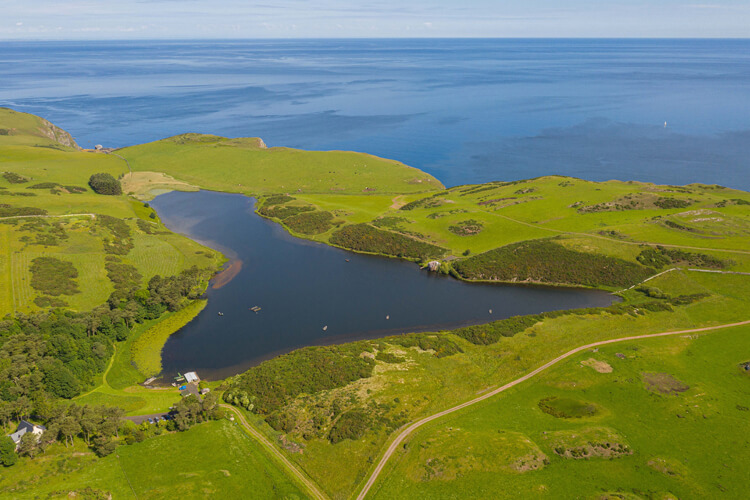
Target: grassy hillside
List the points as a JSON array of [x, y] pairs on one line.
[[677, 405], [211, 459], [247, 166], [39, 175], [613, 219]]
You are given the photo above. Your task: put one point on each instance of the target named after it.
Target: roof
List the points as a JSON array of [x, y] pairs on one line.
[[23, 428], [191, 377]]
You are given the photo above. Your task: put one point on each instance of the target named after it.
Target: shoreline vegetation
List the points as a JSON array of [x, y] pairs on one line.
[[146, 349], [332, 411]]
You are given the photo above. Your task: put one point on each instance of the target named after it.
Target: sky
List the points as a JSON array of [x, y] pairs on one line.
[[191, 19]]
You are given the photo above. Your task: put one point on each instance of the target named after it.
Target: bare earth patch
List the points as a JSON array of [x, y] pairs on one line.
[[143, 185], [599, 366], [664, 383]]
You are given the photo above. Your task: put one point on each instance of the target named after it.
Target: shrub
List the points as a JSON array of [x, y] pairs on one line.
[[53, 276], [310, 222], [278, 199], [365, 238], [663, 202], [14, 178], [9, 211], [282, 212], [466, 228], [351, 425], [659, 257], [44, 185], [121, 243], [440, 344], [548, 262], [104, 183], [387, 357], [308, 370], [490, 333]]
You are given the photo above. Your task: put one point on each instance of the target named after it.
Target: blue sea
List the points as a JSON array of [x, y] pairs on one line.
[[667, 111]]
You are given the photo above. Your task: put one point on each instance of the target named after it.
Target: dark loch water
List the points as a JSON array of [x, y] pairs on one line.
[[303, 286], [464, 110]]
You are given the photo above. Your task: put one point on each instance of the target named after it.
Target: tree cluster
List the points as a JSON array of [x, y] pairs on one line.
[[60, 352], [98, 426], [104, 183]]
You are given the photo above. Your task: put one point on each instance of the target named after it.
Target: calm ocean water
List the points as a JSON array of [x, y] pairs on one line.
[[463, 110]]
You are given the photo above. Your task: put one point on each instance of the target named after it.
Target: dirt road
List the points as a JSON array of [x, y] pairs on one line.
[[311, 487], [406, 432]]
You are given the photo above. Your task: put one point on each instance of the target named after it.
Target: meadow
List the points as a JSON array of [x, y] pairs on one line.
[[683, 441], [214, 458]]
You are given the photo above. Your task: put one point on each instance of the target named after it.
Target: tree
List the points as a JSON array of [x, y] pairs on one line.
[[22, 407], [104, 445], [90, 421], [28, 445], [104, 183], [6, 413], [8, 455], [69, 428]]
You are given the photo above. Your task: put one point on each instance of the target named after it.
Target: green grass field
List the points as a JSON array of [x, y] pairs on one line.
[[686, 443], [211, 459], [244, 166]]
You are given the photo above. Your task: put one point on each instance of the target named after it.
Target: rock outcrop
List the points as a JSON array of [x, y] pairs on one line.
[[56, 134]]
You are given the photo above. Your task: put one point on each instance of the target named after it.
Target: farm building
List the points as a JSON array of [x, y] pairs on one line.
[[23, 428]]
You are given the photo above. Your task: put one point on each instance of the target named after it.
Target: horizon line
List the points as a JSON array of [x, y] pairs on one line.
[[229, 39]]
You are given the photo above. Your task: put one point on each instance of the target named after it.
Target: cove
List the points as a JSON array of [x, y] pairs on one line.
[[302, 287]]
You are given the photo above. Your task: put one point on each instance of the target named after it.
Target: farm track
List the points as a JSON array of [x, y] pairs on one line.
[[416, 425], [311, 487]]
